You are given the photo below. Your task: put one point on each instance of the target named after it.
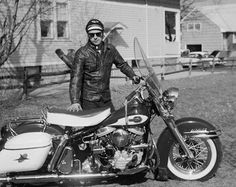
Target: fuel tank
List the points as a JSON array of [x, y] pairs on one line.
[[137, 114], [25, 152]]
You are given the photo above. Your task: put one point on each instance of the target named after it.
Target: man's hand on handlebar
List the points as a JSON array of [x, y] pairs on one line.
[[136, 79]]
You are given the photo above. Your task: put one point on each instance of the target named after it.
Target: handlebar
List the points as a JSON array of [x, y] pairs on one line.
[[131, 95]]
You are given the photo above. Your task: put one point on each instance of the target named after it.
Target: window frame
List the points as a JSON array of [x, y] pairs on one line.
[[194, 27], [47, 20], [234, 38], [51, 29], [200, 26], [175, 35], [188, 27], [64, 20], [54, 22]]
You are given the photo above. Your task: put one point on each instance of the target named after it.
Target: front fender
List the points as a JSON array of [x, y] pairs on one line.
[[188, 123], [166, 138]]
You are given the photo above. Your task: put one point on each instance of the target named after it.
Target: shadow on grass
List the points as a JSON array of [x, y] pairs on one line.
[[121, 180]]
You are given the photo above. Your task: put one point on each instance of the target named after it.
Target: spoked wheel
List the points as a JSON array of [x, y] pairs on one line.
[[207, 156]]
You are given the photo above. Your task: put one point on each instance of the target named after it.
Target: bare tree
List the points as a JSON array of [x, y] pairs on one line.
[[186, 8], [15, 19]]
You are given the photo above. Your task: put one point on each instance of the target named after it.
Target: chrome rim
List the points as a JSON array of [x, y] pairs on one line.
[[202, 156]]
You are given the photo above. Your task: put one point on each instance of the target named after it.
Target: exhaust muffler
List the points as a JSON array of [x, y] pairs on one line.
[[54, 177]]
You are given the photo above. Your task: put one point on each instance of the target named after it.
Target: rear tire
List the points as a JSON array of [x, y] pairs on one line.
[[207, 157]]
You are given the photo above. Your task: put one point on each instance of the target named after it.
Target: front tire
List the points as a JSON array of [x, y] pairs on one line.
[[207, 157]]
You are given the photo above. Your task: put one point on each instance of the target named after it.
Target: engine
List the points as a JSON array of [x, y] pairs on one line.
[[116, 148]]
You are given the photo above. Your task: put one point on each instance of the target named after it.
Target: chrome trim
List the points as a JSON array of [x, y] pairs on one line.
[[104, 131], [53, 177], [57, 153], [204, 133], [140, 146]]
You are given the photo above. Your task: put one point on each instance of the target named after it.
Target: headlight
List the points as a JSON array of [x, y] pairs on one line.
[[170, 97]]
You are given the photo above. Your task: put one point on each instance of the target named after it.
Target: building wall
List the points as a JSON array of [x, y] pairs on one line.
[[231, 43], [210, 36], [145, 19]]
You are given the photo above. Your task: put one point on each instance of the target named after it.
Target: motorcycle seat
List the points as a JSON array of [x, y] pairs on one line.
[[86, 118]]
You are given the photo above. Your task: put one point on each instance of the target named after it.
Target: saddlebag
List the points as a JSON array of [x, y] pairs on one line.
[[25, 152]]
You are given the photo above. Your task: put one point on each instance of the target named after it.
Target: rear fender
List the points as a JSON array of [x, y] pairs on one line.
[[190, 126]]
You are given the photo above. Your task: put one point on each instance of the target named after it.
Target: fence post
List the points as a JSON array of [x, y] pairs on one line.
[[163, 70], [25, 83], [190, 68], [213, 66]]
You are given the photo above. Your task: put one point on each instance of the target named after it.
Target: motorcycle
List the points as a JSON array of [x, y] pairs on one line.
[[62, 146]]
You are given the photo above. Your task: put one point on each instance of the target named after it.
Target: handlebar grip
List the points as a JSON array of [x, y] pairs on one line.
[[131, 95]]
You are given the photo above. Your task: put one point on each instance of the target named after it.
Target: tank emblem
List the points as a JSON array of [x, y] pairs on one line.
[[22, 158], [132, 120], [136, 119]]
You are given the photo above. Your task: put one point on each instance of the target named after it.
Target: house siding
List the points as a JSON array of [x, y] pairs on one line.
[[134, 18], [149, 30], [144, 19], [210, 36]]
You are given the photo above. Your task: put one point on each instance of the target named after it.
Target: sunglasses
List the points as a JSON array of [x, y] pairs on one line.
[[91, 35]]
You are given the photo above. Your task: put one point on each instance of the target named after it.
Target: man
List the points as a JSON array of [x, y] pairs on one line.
[[90, 77]]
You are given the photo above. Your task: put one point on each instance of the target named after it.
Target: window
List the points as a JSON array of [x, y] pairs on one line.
[[170, 25], [193, 27], [46, 28], [54, 21], [197, 27], [234, 38], [62, 20], [61, 29], [190, 27], [46, 20]]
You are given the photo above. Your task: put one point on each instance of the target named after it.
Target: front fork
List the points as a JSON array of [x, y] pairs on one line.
[[171, 124]]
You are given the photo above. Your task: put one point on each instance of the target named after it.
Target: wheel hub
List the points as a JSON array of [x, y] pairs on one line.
[[186, 164]]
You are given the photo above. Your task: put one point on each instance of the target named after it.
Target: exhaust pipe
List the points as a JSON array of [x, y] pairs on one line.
[[54, 178]]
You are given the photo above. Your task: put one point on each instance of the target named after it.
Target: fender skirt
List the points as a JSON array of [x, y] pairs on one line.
[[166, 138]]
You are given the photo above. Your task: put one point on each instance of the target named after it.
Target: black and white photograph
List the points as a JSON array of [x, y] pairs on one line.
[[117, 93]]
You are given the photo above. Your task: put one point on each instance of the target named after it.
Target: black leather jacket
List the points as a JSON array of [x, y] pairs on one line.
[[90, 77]]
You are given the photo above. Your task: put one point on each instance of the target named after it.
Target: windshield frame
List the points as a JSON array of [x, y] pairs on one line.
[[151, 78]]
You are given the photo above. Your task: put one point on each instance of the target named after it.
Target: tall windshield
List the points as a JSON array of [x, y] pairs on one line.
[[146, 70]]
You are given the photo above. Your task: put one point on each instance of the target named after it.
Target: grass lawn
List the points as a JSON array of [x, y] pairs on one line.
[[211, 97]]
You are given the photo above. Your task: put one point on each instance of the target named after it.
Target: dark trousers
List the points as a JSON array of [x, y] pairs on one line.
[[88, 105]]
